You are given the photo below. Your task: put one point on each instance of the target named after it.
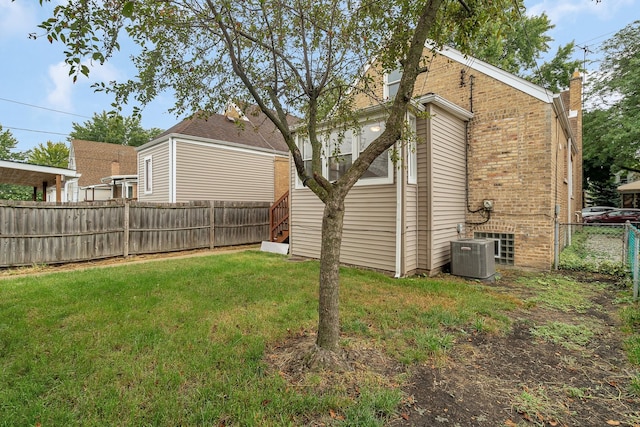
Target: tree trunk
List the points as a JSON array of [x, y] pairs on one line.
[[328, 308]]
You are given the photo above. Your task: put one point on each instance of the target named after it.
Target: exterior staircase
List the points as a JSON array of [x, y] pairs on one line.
[[279, 220]]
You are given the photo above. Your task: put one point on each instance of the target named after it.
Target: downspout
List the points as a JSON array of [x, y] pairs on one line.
[[172, 170], [399, 213]]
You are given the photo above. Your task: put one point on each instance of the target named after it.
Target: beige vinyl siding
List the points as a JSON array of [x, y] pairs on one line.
[[448, 179], [422, 150], [160, 173], [369, 226], [208, 172]]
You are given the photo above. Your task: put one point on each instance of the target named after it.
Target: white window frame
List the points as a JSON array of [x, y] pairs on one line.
[[412, 151], [356, 148], [148, 174], [390, 80], [337, 138], [128, 190], [359, 143], [301, 140]]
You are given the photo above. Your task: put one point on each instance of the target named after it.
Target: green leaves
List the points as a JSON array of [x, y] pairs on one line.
[[50, 154], [612, 128], [127, 9]]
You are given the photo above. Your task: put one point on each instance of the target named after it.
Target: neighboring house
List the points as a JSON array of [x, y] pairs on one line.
[[630, 194], [108, 171], [224, 157], [52, 182], [496, 157]]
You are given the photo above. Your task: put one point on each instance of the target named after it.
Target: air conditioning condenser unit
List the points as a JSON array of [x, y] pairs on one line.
[[473, 258]]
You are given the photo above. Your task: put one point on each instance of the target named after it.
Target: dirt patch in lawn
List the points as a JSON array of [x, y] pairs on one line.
[[515, 379]]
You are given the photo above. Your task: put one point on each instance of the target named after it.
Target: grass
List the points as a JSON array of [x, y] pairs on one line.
[[630, 316], [559, 293], [580, 256], [536, 407], [183, 342], [569, 336]]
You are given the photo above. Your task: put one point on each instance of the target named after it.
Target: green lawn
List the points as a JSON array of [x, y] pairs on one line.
[[183, 341]]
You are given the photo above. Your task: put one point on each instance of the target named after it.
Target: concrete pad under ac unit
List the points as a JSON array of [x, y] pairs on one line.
[[276, 248]]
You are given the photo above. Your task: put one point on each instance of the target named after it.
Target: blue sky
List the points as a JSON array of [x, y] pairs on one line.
[[39, 102]]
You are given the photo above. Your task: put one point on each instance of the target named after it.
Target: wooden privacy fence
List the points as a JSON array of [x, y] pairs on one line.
[[50, 233]]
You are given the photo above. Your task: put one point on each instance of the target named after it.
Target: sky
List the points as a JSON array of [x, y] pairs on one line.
[[39, 102]]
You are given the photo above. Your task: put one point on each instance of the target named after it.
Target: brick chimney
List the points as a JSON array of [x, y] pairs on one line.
[[115, 168], [575, 106]]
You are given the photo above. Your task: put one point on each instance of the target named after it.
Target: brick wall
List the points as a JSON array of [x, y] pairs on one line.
[[517, 156]]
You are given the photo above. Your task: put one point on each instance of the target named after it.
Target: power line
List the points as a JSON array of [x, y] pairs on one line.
[[44, 108], [37, 131], [596, 38]]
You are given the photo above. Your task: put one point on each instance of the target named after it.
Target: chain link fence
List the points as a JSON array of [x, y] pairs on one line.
[[601, 248]]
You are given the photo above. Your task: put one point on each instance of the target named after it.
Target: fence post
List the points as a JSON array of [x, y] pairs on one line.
[[212, 229], [126, 229], [625, 244]]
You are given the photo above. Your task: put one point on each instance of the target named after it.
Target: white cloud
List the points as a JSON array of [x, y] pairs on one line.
[[61, 96], [17, 19]]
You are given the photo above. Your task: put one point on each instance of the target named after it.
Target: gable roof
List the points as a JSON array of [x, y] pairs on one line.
[[253, 130], [93, 160]]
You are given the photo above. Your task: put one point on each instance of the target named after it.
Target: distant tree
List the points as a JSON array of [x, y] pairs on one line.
[[517, 47], [51, 154], [7, 143], [612, 129], [9, 191], [115, 129]]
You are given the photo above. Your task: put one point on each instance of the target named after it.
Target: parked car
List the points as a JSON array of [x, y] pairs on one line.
[[616, 216], [595, 210]]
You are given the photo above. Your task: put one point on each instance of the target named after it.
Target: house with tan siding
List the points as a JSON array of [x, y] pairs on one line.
[[236, 156], [493, 156]]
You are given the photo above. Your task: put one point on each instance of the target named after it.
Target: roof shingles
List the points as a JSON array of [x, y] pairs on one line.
[[256, 132], [93, 160]]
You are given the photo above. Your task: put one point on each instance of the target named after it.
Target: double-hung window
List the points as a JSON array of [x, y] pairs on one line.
[[380, 168], [340, 149], [307, 153], [392, 83], [148, 174]]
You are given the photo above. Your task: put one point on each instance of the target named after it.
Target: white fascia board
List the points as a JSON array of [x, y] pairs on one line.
[[446, 105], [70, 173], [226, 145], [216, 143], [512, 80], [558, 108]]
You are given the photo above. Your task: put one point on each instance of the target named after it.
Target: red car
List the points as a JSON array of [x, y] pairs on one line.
[[616, 216]]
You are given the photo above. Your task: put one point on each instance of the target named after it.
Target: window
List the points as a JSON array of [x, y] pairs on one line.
[[392, 83], [340, 154], [128, 191], [307, 153], [148, 175], [341, 148], [380, 167], [412, 152], [504, 248]]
